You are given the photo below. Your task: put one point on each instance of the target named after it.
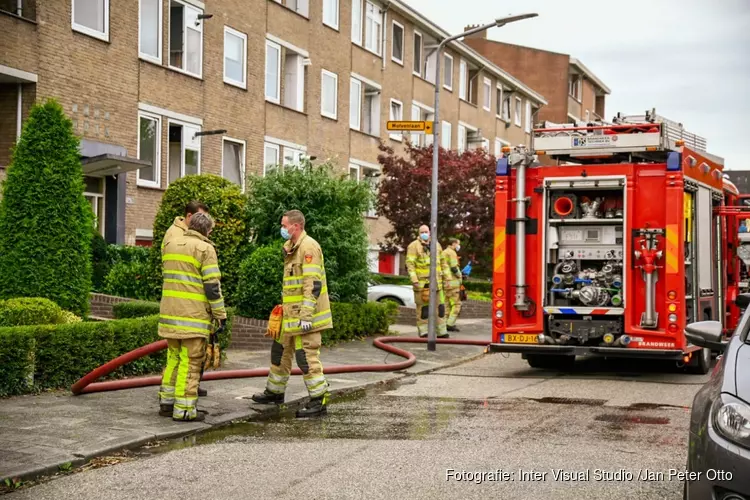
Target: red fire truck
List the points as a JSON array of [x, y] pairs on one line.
[[625, 233]]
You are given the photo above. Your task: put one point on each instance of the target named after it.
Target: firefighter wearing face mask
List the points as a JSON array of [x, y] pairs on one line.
[[307, 313], [418, 266], [452, 283]]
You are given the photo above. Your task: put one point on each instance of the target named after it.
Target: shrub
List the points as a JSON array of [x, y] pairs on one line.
[[100, 263], [333, 208], [16, 361], [261, 274], [127, 254], [45, 221], [478, 286], [226, 205], [389, 279], [135, 309], [128, 279], [69, 317], [30, 311], [352, 321]]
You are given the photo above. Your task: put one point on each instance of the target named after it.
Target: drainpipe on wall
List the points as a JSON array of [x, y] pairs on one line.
[[383, 35], [19, 7], [19, 109]]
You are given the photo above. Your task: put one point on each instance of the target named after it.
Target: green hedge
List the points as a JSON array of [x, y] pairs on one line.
[[33, 311], [353, 321], [135, 309], [16, 360], [390, 279], [261, 275]]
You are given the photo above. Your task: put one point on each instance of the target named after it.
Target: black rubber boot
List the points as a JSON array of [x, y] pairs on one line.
[[266, 398], [453, 329], [200, 417], [444, 336], [166, 410], [314, 408], [202, 392]]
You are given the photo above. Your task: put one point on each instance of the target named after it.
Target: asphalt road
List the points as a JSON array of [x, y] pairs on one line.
[[489, 428]]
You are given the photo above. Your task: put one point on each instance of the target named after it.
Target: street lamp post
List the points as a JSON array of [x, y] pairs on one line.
[[431, 324]]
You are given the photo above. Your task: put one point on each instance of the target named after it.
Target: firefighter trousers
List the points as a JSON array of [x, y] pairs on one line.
[[306, 351], [179, 384], [422, 299], [453, 305]]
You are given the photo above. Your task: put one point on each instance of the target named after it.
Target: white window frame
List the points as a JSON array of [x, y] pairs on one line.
[[243, 37], [462, 139], [148, 57], [398, 136], [99, 198], [184, 147], [517, 111], [357, 16], [500, 97], [499, 144], [487, 94], [588, 116], [353, 82], [336, 12], [186, 6], [243, 158], [416, 115], [277, 148], [508, 118], [323, 112], [449, 85], [486, 144], [89, 31], [527, 121], [575, 83], [463, 72], [394, 25], [352, 166], [418, 62], [157, 168], [274, 99], [297, 154], [377, 19], [445, 131]]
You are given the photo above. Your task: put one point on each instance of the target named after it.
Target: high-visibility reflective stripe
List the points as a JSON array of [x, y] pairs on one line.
[[200, 297], [292, 299], [183, 318], [311, 267], [181, 258], [291, 280], [212, 276], [309, 303], [210, 271], [297, 343], [183, 282], [313, 275], [216, 304], [202, 331], [197, 325], [292, 287], [195, 278]]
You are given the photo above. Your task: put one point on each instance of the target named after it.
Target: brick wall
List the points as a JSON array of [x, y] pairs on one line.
[[101, 304], [248, 333], [470, 309]]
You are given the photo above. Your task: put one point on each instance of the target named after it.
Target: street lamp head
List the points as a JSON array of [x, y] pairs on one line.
[[502, 21]]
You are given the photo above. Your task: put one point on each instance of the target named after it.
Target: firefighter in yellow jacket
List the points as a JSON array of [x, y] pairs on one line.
[[418, 266], [180, 224], [307, 312], [191, 299], [452, 283]]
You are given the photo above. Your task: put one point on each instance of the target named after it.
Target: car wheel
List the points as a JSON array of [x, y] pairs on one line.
[[700, 362], [391, 299]]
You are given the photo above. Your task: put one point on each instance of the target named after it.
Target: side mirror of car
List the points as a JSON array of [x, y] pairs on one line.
[[742, 300], [706, 334]]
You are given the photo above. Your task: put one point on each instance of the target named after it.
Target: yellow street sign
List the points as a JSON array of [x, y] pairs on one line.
[[414, 127]]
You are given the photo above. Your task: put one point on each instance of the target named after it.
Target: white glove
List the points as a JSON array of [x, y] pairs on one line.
[[306, 326]]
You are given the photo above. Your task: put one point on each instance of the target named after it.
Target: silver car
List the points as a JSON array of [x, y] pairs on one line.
[[718, 465], [403, 295]]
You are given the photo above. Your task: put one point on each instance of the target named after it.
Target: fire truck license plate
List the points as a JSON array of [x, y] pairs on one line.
[[517, 338]]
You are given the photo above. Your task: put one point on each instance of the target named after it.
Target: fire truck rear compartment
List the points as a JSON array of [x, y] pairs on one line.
[[584, 330]]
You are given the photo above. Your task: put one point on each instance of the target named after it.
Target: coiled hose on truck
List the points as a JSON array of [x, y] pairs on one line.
[[87, 385]]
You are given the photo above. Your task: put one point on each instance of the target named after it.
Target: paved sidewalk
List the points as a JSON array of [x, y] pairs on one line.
[[38, 434]]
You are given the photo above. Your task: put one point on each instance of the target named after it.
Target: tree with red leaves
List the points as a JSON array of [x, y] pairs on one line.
[[466, 184]]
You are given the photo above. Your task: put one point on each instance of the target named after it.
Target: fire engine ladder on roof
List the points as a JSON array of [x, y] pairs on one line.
[[646, 137]]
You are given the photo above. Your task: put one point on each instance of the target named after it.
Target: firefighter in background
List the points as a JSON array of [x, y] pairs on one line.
[[180, 224], [452, 283], [191, 299], [178, 228], [418, 266], [307, 313]]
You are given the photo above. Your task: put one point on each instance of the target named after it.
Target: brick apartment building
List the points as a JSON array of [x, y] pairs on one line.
[[575, 94], [160, 89]]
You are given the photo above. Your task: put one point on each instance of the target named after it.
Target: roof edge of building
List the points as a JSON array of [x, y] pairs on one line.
[[589, 74], [463, 48]]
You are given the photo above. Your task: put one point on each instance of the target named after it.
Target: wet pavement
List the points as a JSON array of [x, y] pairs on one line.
[[41, 434], [488, 427]]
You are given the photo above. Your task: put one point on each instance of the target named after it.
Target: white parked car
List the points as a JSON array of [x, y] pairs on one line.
[[403, 295]]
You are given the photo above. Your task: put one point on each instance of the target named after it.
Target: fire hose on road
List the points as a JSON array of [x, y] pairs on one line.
[[87, 383]]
